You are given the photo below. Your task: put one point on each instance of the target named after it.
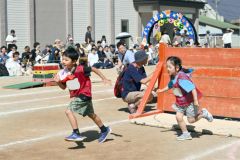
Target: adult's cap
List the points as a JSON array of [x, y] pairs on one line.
[[140, 56]]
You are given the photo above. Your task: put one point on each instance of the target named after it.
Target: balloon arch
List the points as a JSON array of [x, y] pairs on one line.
[[168, 16]]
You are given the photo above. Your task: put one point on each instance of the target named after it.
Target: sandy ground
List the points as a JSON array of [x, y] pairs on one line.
[[33, 126]]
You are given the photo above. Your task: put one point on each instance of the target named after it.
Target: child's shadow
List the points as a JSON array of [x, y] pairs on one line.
[[147, 109], [90, 135], [190, 128]]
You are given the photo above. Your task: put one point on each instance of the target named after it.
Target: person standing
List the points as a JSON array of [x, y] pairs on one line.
[[88, 36], [11, 39], [227, 38]]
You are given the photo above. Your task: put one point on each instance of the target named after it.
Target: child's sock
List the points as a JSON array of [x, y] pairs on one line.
[[76, 131], [103, 129], [186, 132]]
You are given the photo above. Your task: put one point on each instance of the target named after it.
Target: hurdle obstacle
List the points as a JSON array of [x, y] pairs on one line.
[[45, 73], [217, 75]]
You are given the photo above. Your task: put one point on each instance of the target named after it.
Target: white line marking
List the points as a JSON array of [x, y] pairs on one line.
[[42, 108], [49, 98], [28, 141], [38, 92], [211, 151], [32, 100], [31, 93]]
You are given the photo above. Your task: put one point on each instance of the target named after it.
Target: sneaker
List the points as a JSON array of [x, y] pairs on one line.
[[74, 137], [184, 137], [132, 108], [207, 115], [104, 135]]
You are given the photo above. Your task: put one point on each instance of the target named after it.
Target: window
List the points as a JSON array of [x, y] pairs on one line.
[[124, 26]]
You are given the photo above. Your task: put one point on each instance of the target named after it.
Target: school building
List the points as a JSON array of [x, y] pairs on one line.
[[46, 20]]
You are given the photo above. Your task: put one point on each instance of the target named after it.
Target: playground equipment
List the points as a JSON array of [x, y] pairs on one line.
[[217, 75], [45, 72], [178, 20]]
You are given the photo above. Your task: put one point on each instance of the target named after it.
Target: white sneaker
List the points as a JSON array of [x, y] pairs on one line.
[[207, 115], [186, 136]]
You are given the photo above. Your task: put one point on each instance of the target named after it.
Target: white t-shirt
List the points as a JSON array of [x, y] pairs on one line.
[[11, 40], [92, 58], [227, 38], [149, 53], [14, 68], [165, 39]]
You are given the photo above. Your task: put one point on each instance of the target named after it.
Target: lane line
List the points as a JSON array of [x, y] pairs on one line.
[[52, 135], [38, 92], [43, 99], [31, 93], [42, 108], [211, 151]]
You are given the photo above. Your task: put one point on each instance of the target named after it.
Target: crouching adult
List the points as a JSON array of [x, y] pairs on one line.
[[133, 78]]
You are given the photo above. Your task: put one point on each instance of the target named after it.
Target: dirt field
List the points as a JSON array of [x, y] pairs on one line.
[[33, 126]]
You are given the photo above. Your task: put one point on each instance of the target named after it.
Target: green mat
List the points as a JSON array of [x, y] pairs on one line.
[[24, 85]]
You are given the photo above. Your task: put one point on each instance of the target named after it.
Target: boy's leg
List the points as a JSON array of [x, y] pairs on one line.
[[181, 123], [185, 134], [96, 119], [193, 114], [105, 131], [179, 117], [72, 119], [75, 136]]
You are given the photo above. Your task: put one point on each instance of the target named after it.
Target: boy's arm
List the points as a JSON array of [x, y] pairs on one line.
[[99, 73], [195, 97], [59, 83]]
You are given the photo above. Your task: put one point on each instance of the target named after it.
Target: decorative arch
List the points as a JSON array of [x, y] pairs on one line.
[[168, 16]]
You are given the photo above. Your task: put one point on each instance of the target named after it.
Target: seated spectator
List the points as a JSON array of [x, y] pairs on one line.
[[93, 59], [80, 50], [99, 43], [34, 52], [13, 49], [114, 53], [3, 55], [133, 78], [13, 66], [101, 54], [46, 53], [103, 41], [108, 53], [108, 62], [26, 59]]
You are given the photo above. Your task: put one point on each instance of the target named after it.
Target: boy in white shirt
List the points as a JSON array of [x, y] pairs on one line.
[[13, 66]]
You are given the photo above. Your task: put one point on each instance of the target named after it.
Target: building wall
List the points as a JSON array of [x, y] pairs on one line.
[[81, 19], [18, 18], [3, 31], [124, 9], [103, 19], [50, 18]]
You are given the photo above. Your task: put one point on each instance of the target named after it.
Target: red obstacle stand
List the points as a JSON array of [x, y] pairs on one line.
[[217, 75], [45, 73]]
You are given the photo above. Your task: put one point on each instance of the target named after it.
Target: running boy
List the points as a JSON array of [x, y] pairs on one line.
[[76, 79], [187, 96]]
